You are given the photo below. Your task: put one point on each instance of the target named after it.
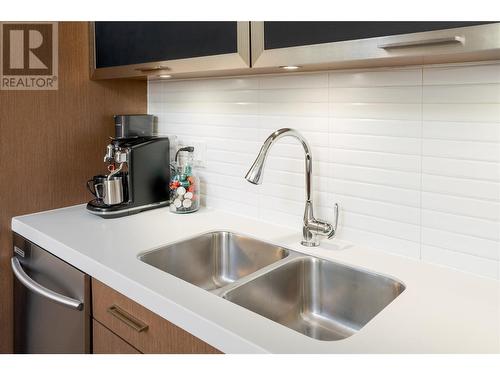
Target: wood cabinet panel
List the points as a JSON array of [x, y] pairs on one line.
[[106, 342], [47, 137], [140, 327]]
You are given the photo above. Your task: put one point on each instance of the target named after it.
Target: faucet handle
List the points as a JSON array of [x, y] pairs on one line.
[[335, 223]]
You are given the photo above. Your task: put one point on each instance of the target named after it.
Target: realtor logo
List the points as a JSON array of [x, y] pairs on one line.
[[29, 56]]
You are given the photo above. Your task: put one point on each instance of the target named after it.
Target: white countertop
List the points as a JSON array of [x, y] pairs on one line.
[[441, 310]]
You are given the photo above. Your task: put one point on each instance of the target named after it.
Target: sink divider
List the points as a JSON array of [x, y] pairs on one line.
[[292, 255]]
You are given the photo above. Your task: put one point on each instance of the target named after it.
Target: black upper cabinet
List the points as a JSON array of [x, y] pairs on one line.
[[204, 49], [337, 44], [139, 49], [292, 34], [124, 43]]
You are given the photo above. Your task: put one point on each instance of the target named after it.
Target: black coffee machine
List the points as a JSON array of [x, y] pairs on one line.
[[139, 170]]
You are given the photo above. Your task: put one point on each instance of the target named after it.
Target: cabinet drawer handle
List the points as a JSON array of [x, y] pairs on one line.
[[128, 319], [423, 42]]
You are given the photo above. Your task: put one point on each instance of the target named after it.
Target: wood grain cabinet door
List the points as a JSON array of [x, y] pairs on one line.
[[140, 327], [106, 342]]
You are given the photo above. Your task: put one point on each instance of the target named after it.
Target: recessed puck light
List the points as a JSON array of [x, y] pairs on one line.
[[290, 67]]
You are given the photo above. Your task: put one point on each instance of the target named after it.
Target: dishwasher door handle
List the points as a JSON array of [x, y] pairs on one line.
[[32, 285]]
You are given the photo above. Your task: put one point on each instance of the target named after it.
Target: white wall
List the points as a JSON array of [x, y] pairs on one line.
[[412, 155]]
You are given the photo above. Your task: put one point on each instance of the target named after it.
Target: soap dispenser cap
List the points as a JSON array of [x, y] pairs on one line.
[[187, 148]]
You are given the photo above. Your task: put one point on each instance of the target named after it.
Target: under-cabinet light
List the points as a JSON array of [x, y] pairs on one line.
[[290, 67]]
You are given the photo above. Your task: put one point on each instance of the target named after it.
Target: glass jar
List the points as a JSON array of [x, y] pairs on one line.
[[184, 184]]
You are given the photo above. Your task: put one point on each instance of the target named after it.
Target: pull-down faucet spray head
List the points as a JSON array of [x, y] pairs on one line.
[[256, 172]]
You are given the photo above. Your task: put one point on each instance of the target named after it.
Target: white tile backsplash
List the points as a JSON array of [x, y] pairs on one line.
[[387, 144], [465, 262], [489, 112], [461, 187], [392, 111], [379, 77], [470, 207], [295, 81], [393, 128], [462, 131], [392, 161], [485, 93], [393, 94], [465, 150], [412, 155], [461, 168], [462, 74], [389, 194]]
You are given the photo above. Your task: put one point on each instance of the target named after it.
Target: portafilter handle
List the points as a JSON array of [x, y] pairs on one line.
[[115, 171]]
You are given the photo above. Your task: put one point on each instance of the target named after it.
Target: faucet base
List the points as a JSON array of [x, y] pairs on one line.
[[311, 243]]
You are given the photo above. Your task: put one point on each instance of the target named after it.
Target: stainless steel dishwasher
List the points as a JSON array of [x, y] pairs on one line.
[[51, 302]]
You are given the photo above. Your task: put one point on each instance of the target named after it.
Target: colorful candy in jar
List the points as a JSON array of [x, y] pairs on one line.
[[184, 183], [183, 188]]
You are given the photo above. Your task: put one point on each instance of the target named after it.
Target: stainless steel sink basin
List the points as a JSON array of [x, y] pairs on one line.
[[215, 259], [321, 299]]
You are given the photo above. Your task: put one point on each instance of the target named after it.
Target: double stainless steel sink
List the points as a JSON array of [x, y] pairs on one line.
[[321, 299]]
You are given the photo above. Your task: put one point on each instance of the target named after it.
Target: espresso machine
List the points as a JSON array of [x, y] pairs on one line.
[[139, 170]]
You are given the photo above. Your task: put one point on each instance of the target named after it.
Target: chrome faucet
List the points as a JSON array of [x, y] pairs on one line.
[[312, 226]]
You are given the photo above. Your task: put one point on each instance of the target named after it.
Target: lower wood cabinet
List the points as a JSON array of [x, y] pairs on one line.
[[123, 326], [106, 342]]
